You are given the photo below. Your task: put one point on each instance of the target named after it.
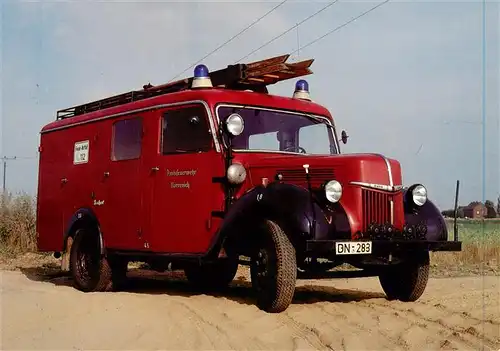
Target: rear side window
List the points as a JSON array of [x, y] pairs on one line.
[[186, 130], [127, 139]]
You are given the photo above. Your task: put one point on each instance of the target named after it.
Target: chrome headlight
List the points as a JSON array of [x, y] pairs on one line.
[[236, 173], [333, 191], [419, 195], [235, 124]]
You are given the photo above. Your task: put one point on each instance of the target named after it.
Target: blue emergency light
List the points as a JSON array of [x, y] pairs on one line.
[[301, 90], [201, 77]]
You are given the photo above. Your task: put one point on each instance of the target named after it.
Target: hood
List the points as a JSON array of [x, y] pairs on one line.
[[373, 169]]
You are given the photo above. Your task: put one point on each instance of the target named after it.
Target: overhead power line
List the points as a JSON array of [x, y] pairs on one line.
[[21, 157], [288, 30], [341, 26], [231, 39]]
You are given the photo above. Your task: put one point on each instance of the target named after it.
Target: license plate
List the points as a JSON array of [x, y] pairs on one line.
[[353, 248]]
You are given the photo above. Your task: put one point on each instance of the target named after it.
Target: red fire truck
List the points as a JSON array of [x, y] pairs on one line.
[[203, 172]]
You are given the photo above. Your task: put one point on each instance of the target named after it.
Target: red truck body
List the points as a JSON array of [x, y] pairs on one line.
[[141, 211], [162, 174]]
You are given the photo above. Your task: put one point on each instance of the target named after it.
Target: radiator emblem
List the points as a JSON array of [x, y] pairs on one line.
[[379, 186]]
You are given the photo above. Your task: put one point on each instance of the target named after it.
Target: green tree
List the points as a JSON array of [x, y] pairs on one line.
[[498, 205], [490, 209], [460, 212]]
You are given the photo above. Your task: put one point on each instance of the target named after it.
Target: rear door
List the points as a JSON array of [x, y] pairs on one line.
[[120, 198], [184, 194]]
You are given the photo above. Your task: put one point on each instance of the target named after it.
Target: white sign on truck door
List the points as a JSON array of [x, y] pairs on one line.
[[81, 152]]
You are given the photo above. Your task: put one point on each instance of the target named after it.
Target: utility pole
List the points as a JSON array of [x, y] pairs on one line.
[[5, 159]]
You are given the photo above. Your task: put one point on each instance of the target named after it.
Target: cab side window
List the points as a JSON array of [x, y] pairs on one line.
[[186, 130], [126, 139]]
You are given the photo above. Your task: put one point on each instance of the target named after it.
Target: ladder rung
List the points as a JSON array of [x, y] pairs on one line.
[[256, 79]]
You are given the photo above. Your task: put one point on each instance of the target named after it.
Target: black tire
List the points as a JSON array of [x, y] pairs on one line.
[[407, 281], [273, 269], [212, 276], [90, 270]]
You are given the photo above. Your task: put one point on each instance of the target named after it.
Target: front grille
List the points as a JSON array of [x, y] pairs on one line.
[[376, 207], [318, 176]]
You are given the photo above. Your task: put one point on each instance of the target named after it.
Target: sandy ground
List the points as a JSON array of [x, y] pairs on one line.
[[161, 311]]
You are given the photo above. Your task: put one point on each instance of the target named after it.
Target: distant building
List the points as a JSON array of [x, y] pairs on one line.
[[476, 210]]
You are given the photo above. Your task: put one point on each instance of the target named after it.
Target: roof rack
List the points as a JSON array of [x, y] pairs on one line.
[[253, 76]]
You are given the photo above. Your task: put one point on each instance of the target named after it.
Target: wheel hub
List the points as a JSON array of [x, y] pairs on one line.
[[87, 260], [261, 262]]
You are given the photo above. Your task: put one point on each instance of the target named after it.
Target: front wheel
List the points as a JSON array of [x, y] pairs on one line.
[[408, 280], [273, 269]]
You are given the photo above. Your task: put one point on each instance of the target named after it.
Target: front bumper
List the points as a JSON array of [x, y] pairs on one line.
[[382, 247]]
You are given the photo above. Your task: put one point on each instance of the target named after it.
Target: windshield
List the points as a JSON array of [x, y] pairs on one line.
[[281, 131]]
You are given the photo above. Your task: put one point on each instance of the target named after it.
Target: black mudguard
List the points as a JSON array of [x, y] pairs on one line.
[[288, 205], [83, 216], [429, 215]]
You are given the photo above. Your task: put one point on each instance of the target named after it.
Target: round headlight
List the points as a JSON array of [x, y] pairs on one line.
[[333, 191], [235, 124], [236, 173], [419, 195]]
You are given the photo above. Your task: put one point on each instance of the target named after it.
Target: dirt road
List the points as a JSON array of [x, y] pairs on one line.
[[40, 312]]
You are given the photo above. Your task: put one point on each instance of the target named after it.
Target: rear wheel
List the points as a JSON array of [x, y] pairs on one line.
[[274, 269], [407, 281], [90, 270]]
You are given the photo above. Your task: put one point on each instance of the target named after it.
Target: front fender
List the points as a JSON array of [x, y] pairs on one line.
[[429, 215], [286, 204]]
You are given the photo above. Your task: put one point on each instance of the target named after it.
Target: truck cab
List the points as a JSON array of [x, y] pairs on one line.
[[213, 171]]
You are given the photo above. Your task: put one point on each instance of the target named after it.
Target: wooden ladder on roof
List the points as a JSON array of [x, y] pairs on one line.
[[255, 76]]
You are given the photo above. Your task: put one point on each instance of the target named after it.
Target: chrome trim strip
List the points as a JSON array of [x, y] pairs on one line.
[[392, 211], [330, 123], [393, 188], [389, 169], [154, 107], [279, 152]]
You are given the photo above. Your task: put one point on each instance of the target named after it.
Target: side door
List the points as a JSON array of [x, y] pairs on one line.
[[184, 193], [121, 185]]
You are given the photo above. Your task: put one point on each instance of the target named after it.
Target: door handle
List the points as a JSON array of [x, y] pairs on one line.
[[155, 169]]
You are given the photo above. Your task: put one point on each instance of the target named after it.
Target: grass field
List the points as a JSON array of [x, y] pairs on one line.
[[487, 231], [480, 248], [480, 252], [17, 224]]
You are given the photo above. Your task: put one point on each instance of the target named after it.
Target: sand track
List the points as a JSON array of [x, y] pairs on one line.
[[161, 311]]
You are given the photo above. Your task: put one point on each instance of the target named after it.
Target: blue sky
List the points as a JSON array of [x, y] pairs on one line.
[[404, 80]]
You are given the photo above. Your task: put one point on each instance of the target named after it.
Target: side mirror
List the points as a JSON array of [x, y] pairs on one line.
[[235, 124], [344, 137]]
